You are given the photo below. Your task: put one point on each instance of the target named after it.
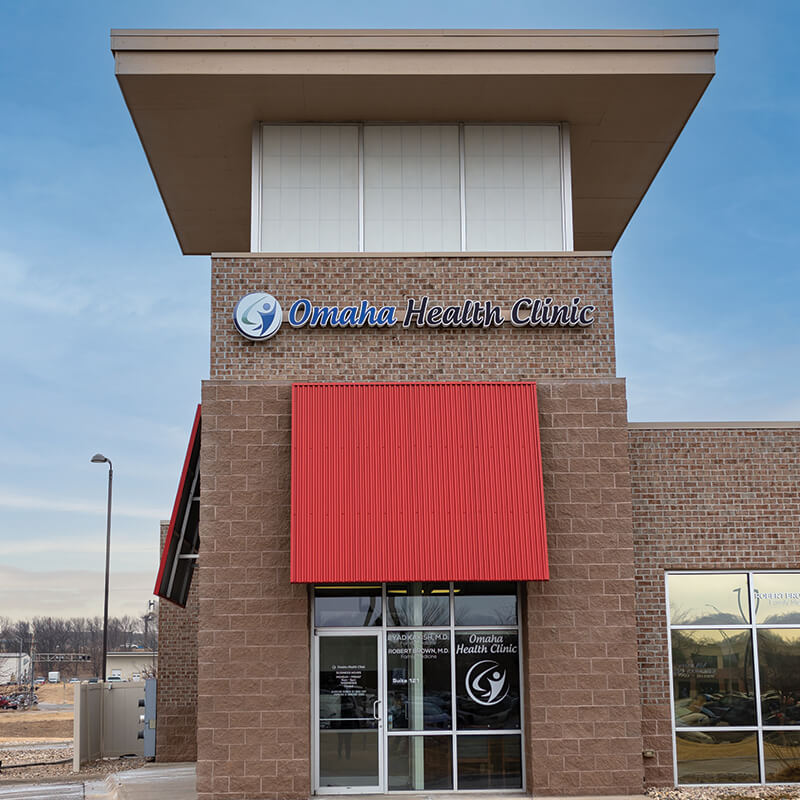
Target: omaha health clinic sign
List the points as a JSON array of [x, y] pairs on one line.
[[259, 315]]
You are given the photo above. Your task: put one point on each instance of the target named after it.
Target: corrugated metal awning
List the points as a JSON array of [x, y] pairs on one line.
[[416, 482], [183, 537]]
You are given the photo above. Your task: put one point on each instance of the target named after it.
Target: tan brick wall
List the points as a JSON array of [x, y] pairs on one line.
[[254, 693], [723, 498], [176, 698], [582, 702], [254, 660], [507, 353], [584, 723]]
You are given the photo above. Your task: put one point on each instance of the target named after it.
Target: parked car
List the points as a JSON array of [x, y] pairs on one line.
[[9, 702], [74, 680], [39, 681]]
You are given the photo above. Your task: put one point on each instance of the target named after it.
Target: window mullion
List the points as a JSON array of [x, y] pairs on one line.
[[361, 188]]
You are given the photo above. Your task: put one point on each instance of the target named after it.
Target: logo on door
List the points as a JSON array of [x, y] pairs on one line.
[[487, 683]]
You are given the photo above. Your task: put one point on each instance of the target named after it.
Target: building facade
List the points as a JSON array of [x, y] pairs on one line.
[[419, 546]]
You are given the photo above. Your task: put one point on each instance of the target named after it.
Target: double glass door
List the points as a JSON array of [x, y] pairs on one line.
[[350, 717]]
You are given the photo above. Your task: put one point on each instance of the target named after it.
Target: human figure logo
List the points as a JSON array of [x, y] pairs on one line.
[[258, 316], [487, 683]]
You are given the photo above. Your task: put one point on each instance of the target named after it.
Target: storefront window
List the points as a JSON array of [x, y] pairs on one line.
[[776, 598], [447, 690], [489, 762], [782, 756], [485, 603], [418, 680], [709, 599], [779, 669], [487, 676], [347, 606], [420, 763], [735, 643], [418, 604], [712, 675], [729, 757]]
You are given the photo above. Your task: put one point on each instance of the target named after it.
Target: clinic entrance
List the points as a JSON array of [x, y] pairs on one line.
[[417, 688]]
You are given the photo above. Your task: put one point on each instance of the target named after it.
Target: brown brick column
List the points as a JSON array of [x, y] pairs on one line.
[[253, 666], [176, 696], [583, 714]]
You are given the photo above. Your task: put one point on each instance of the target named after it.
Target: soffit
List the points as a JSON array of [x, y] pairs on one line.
[[195, 95]]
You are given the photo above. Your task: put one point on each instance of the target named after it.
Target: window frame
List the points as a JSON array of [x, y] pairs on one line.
[[565, 169], [752, 627]]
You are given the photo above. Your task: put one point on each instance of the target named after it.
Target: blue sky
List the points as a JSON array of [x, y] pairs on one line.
[[104, 324]]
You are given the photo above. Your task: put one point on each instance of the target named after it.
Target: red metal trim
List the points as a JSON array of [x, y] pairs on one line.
[[177, 504], [416, 482]]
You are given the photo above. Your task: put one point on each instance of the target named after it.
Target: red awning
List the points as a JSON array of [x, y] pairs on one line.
[[183, 537], [416, 482]]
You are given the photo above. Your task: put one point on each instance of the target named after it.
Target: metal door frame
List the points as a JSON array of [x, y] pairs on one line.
[[378, 635]]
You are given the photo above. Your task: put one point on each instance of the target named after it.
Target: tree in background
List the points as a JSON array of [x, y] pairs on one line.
[[78, 635]]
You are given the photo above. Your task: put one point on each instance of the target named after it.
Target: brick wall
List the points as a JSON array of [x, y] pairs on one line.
[[721, 498], [176, 700], [254, 684], [507, 353], [583, 713], [254, 660], [254, 712]]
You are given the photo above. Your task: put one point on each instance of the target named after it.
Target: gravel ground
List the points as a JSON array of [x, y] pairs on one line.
[[28, 756], [727, 793]]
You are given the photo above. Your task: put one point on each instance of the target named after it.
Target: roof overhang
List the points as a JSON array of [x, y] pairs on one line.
[[195, 95]]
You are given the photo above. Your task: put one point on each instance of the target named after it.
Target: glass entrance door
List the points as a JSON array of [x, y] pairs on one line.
[[349, 712]]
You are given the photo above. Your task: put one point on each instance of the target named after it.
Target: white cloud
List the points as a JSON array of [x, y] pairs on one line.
[[25, 594], [22, 288], [23, 502]]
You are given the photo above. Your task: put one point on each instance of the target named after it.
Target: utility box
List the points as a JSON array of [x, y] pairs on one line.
[[148, 718]]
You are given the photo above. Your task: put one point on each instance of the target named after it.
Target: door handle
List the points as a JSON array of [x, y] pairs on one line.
[[375, 705]]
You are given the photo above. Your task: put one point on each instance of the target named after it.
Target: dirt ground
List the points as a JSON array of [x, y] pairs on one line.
[[32, 725], [38, 725]]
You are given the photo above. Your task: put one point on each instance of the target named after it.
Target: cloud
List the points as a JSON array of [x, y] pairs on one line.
[[73, 545], [22, 502], [25, 594], [20, 288]]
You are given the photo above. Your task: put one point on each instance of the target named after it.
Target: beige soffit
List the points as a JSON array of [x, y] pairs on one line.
[[195, 95]]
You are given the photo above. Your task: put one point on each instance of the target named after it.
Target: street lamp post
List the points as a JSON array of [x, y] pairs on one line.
[[99, 458]]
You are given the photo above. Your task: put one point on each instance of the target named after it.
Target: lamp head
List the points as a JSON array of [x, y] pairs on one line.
[[99, 458]]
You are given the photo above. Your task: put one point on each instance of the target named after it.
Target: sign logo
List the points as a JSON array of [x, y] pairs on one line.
[[258, 316], [487, 683]]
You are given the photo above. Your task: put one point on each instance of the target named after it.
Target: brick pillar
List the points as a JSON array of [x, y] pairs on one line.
[[176, 696], [254, 714], [583, 712]]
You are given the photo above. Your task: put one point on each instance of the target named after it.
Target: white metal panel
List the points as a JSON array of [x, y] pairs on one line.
[[513, 176], [411, 188], [309, 188]]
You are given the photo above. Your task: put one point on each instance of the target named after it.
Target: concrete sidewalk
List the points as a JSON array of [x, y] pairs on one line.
[[153, 782], [177, 782]]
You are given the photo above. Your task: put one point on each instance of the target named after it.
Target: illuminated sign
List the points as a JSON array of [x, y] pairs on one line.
[[259, 315]]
